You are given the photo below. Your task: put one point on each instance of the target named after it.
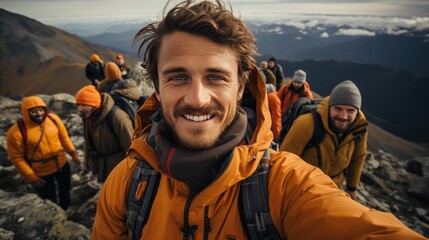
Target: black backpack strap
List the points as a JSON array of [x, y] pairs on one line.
[[109, 119], [253, 203], [357, 136], [319, 133], [23, 130], [138, 210]]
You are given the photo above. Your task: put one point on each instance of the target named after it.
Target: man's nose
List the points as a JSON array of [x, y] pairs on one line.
[[197, 95], [343, 115]]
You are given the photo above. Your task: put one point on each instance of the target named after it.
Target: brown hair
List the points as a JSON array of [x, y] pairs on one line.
[[207, 19]]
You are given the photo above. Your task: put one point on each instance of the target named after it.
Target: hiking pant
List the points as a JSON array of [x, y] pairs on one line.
[[57, 187]]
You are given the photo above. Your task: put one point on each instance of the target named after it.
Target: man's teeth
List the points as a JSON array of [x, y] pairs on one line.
[[198, 118]]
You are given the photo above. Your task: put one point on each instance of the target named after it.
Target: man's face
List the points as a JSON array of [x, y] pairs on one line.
[[119, 61], [198, 88], [37, 114], [296, 84], [271, 64], [341, 117], [85, 110]]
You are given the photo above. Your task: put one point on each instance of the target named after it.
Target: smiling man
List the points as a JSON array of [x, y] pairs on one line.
[[194, 135], [341, 154], [199, 85], [36, 146]]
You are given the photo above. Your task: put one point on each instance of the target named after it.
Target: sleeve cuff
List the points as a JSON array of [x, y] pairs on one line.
[[74, 155]]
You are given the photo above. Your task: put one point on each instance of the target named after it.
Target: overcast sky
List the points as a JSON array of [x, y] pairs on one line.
[[54, 12]]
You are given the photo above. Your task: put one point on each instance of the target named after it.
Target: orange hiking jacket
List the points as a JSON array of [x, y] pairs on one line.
[[304, 202], [54, 139], [288, 97], [276, 114]]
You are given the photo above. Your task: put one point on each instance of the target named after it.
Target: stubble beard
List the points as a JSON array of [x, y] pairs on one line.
[[195, 139]]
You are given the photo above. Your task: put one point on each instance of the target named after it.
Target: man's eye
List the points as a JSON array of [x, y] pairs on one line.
[[215, 78], [177, 78]]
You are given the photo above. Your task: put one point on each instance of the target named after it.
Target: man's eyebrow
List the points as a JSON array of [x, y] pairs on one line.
[[174, 70], [217, 70], [182, 70]]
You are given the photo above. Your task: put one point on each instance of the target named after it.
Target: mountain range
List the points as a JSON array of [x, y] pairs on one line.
[[40, 59], [398, 47], [36, 58]]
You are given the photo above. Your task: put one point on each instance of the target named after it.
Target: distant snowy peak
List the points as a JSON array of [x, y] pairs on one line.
[[344, 25]]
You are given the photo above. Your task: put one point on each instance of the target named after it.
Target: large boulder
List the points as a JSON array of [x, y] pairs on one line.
[[30, 217]]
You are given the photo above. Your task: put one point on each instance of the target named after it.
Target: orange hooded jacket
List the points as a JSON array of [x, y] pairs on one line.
[[113, 74], [287, 97], [276, 114], [304, 202], [49, 156]]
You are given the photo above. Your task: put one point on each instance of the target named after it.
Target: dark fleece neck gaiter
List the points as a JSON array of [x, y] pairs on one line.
[[197, 168]]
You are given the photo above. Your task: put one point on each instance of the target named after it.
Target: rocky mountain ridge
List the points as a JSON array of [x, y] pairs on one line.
[[40, 59]]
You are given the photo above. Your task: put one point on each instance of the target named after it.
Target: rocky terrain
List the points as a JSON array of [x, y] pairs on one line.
[[400, 186]]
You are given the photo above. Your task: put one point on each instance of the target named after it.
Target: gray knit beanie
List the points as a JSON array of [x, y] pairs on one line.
[[270, 87], [299, 76], [346, 93]]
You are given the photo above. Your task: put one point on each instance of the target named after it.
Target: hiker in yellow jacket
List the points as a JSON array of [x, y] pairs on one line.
[[37, 152], [341, 154], [193, 132]]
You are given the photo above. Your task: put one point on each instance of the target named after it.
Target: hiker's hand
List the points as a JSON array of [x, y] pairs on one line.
[[76, 163], [75, 159], [352, 194], [38, 183]]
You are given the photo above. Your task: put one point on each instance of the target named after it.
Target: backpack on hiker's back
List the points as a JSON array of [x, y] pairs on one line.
[[301, 106], [127, 97], [130, 107]]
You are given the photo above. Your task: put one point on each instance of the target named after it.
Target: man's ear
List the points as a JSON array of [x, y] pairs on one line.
[[157, 96], [240, 93], [242, 85]]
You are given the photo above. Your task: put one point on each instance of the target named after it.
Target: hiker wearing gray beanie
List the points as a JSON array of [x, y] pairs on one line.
[[346, 93], [334, 137], [297, 88]]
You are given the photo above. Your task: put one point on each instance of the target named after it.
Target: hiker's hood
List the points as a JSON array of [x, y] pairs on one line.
[[323, 110], [31, 102], [112, 71], [245, 158], [127, 88]]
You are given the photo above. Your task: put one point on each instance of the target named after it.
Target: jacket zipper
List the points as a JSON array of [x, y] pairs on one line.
[[188, 231], [207, 228]]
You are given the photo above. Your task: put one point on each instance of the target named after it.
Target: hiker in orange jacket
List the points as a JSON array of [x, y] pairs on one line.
[[37, 152], [193, 132], [297, 88], [274, 105]]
